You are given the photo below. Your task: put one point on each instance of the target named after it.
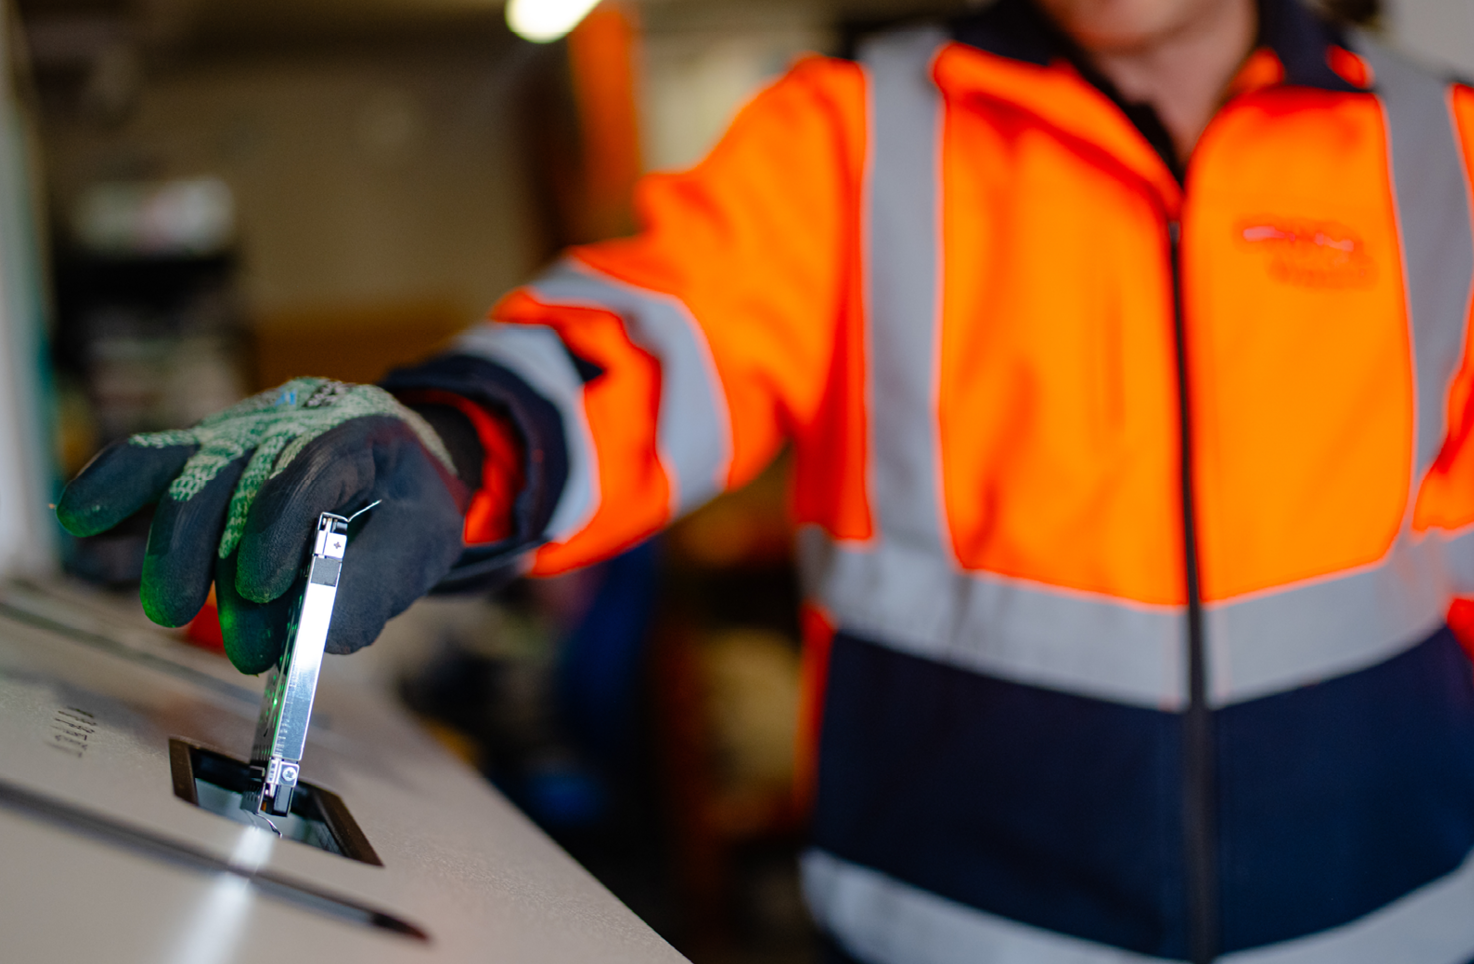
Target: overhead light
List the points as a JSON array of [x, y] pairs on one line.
[[544, 20]]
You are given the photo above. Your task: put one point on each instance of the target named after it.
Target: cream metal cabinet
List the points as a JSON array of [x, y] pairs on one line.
[[102, 858]]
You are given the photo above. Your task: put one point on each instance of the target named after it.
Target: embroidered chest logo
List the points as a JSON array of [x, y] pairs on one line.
[[1311, 254]]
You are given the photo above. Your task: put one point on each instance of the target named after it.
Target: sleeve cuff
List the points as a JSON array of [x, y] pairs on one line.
[[516, 427], [489, 516]]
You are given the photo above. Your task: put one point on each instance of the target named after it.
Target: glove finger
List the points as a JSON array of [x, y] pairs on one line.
[[335, 471], [255, 633], [406, 545], [120, 480], [183, 543], [258, 470]]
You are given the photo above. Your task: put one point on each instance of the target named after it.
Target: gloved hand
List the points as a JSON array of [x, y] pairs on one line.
[[238, 499]]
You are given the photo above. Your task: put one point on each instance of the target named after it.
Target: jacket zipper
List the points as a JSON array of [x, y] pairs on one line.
[[1198, 794]]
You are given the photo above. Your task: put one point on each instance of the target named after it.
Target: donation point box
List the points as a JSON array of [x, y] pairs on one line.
[[122, 754]]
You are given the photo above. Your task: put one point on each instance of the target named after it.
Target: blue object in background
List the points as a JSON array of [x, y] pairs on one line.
[[601, 665]]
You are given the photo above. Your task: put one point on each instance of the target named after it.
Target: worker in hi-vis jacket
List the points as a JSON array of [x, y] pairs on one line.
[[1122, 346]]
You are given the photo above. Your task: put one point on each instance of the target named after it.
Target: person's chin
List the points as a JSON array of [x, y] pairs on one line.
[[1107, 26]]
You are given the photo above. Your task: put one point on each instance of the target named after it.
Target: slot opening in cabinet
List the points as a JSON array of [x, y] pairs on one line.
[[216, 782]]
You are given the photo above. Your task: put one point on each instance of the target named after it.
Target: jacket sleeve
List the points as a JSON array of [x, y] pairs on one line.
[[645, 375]]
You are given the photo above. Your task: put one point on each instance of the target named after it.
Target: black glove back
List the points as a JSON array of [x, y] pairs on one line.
[[396, 553], [229, 513]]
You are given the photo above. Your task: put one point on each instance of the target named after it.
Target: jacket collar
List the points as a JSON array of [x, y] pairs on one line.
[[1302, 42], [1016, 29], [1037, 67]]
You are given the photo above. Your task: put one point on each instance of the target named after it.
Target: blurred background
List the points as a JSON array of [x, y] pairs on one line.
[[204, 197]]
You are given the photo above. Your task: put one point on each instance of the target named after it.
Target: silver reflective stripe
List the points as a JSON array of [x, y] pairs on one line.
[[694, 428], [1460, 548], [1432, 925], [880, 920], [536, 354], [1269, 643], [904, 282], [911, 601], [1433, 208]]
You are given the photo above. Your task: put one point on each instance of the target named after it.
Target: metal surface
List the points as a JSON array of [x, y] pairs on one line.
[[101, 861], [291, 685]]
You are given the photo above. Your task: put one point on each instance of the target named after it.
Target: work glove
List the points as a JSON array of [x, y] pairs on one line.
[[238, 497]]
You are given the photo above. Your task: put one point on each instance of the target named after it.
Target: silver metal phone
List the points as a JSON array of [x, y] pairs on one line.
[[286, 706]]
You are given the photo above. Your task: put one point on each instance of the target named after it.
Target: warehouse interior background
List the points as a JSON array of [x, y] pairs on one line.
[[205, 197]]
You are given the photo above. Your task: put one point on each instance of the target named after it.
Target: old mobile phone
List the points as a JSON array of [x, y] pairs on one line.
[[286, 705]]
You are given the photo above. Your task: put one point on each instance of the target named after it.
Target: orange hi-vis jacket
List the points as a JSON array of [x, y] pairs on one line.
[[1132, 500]]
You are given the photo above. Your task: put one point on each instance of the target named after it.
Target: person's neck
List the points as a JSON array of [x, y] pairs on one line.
[[1183, 75]]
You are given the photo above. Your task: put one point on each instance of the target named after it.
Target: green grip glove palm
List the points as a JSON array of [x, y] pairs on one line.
[[310, 446]]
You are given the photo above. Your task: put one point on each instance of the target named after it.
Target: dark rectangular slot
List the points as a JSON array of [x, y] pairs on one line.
[[215, 782]]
